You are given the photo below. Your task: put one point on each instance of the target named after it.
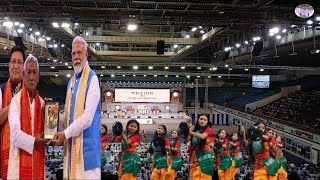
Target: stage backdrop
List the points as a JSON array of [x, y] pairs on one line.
[[142, 95]]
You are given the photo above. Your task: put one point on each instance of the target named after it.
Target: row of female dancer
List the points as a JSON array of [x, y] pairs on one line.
[[265, 148]]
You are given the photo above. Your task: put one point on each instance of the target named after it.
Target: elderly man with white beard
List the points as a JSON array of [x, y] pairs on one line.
[[81, 135]]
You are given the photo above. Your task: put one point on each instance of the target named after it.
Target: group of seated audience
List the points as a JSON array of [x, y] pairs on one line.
[[291, 107]]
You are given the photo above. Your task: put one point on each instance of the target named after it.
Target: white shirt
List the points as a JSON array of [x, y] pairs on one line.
[[85, 120], [18, 138]]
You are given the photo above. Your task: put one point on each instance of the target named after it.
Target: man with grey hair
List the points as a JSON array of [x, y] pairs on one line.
[[81, 135], [26, 156]]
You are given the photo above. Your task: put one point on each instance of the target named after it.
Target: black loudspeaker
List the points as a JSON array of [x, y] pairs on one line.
[[160, 47], [18, 41], [257, 48], [149, 116], [172, 117], [52, 52], [138, 116], [201, 103]]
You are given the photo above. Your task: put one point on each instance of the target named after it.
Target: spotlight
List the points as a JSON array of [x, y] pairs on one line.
[[193, 29], [284, 30], [21, 25], [278, 37], [19, 31], [246, 42], [175, 46], [187, 36], [202, 31], [237, 45], [135, 67]]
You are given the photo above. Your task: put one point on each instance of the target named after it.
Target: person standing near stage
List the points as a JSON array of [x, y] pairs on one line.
[[160, 158], [264, 167], [81, 137], [129, 159], [104, 142], [26, 157], [7, 91], [174, 157], [237, 158], [222, 154], [282, 171], [201, 158]]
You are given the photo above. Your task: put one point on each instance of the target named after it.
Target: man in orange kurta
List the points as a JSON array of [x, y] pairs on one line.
[[7, 91]]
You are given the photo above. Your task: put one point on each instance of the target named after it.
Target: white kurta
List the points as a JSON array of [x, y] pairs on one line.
[[18, 138], [85, 121]]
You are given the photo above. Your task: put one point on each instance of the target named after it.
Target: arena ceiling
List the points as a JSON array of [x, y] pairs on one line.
[[194, 31]]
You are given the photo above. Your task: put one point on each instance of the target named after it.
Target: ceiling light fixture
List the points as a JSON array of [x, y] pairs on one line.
[[132, 27], [7, 23], [65, 25], [309, 22], [55, 25]]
